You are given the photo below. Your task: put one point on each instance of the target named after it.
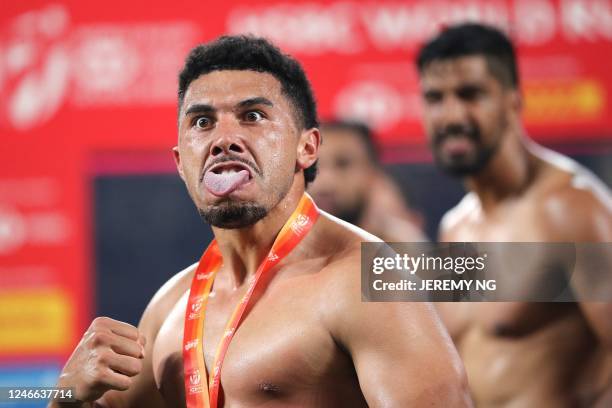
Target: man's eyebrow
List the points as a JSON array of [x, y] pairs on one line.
[[260, 100], [199, 108], [471, 85]]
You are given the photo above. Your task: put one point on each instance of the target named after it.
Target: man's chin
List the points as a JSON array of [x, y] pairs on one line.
[[465, 166], [232, 215], [459, 170]]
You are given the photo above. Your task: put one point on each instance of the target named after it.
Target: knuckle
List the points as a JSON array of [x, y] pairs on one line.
[[134, 333], [104, 358], [99, 321], [99, 338]]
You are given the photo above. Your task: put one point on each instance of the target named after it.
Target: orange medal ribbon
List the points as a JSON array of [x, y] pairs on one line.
[[201, 392]]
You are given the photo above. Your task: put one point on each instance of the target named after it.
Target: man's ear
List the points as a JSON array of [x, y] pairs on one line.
[[516, 100], [308, 148], [177, 161]]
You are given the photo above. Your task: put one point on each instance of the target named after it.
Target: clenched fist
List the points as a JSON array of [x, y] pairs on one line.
[[107, 357]]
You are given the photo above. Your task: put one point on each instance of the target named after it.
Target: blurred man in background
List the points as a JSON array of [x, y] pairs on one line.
[[516, 354], [352, 185]]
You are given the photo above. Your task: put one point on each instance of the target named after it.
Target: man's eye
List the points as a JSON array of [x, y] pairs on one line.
[[432, 97], [202, 123], [253, 116], [343, 163], [469, 93]]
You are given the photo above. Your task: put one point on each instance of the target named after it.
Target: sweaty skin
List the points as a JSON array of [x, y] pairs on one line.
[[520, 354], [308, 341]]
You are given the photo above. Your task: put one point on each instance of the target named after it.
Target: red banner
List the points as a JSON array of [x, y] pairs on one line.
[[45, 293], [106, 72]]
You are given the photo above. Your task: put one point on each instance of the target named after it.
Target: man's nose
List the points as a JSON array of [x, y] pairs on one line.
[[228, 138], [453, 111]]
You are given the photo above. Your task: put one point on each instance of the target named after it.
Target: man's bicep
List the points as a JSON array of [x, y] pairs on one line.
[[403, 356], [591, 282], [591, 275], [455, 316]]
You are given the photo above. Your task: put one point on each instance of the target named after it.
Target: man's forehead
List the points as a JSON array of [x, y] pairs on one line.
[[473, 69], [230, 87], [343, 140], [341, 135]]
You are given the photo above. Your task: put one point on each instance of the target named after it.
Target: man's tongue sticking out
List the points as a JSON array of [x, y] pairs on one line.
[[226, 181]]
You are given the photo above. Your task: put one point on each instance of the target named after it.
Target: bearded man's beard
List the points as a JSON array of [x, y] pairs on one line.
[[232, 215]]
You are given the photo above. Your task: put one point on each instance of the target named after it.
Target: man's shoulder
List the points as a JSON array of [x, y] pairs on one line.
[[166, 298], [174, 288], [345, 239], [341, 249], [566, 180], [575, 205], [346, 236], [576, 213]]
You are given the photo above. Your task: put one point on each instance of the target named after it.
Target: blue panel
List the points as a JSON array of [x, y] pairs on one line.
[[28, 375]]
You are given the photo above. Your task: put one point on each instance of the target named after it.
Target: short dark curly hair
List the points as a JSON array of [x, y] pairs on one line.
[[470, 39], [244, 52]]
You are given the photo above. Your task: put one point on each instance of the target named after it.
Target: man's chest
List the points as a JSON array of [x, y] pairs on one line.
[[511, 222], [279, 345], [525, 265]]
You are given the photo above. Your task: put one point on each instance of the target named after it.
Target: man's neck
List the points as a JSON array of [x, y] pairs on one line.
[[509, 173], [244, 249]]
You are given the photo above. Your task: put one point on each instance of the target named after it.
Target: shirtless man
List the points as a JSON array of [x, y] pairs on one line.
[[352, 185], [516, 354], [247, 147]]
